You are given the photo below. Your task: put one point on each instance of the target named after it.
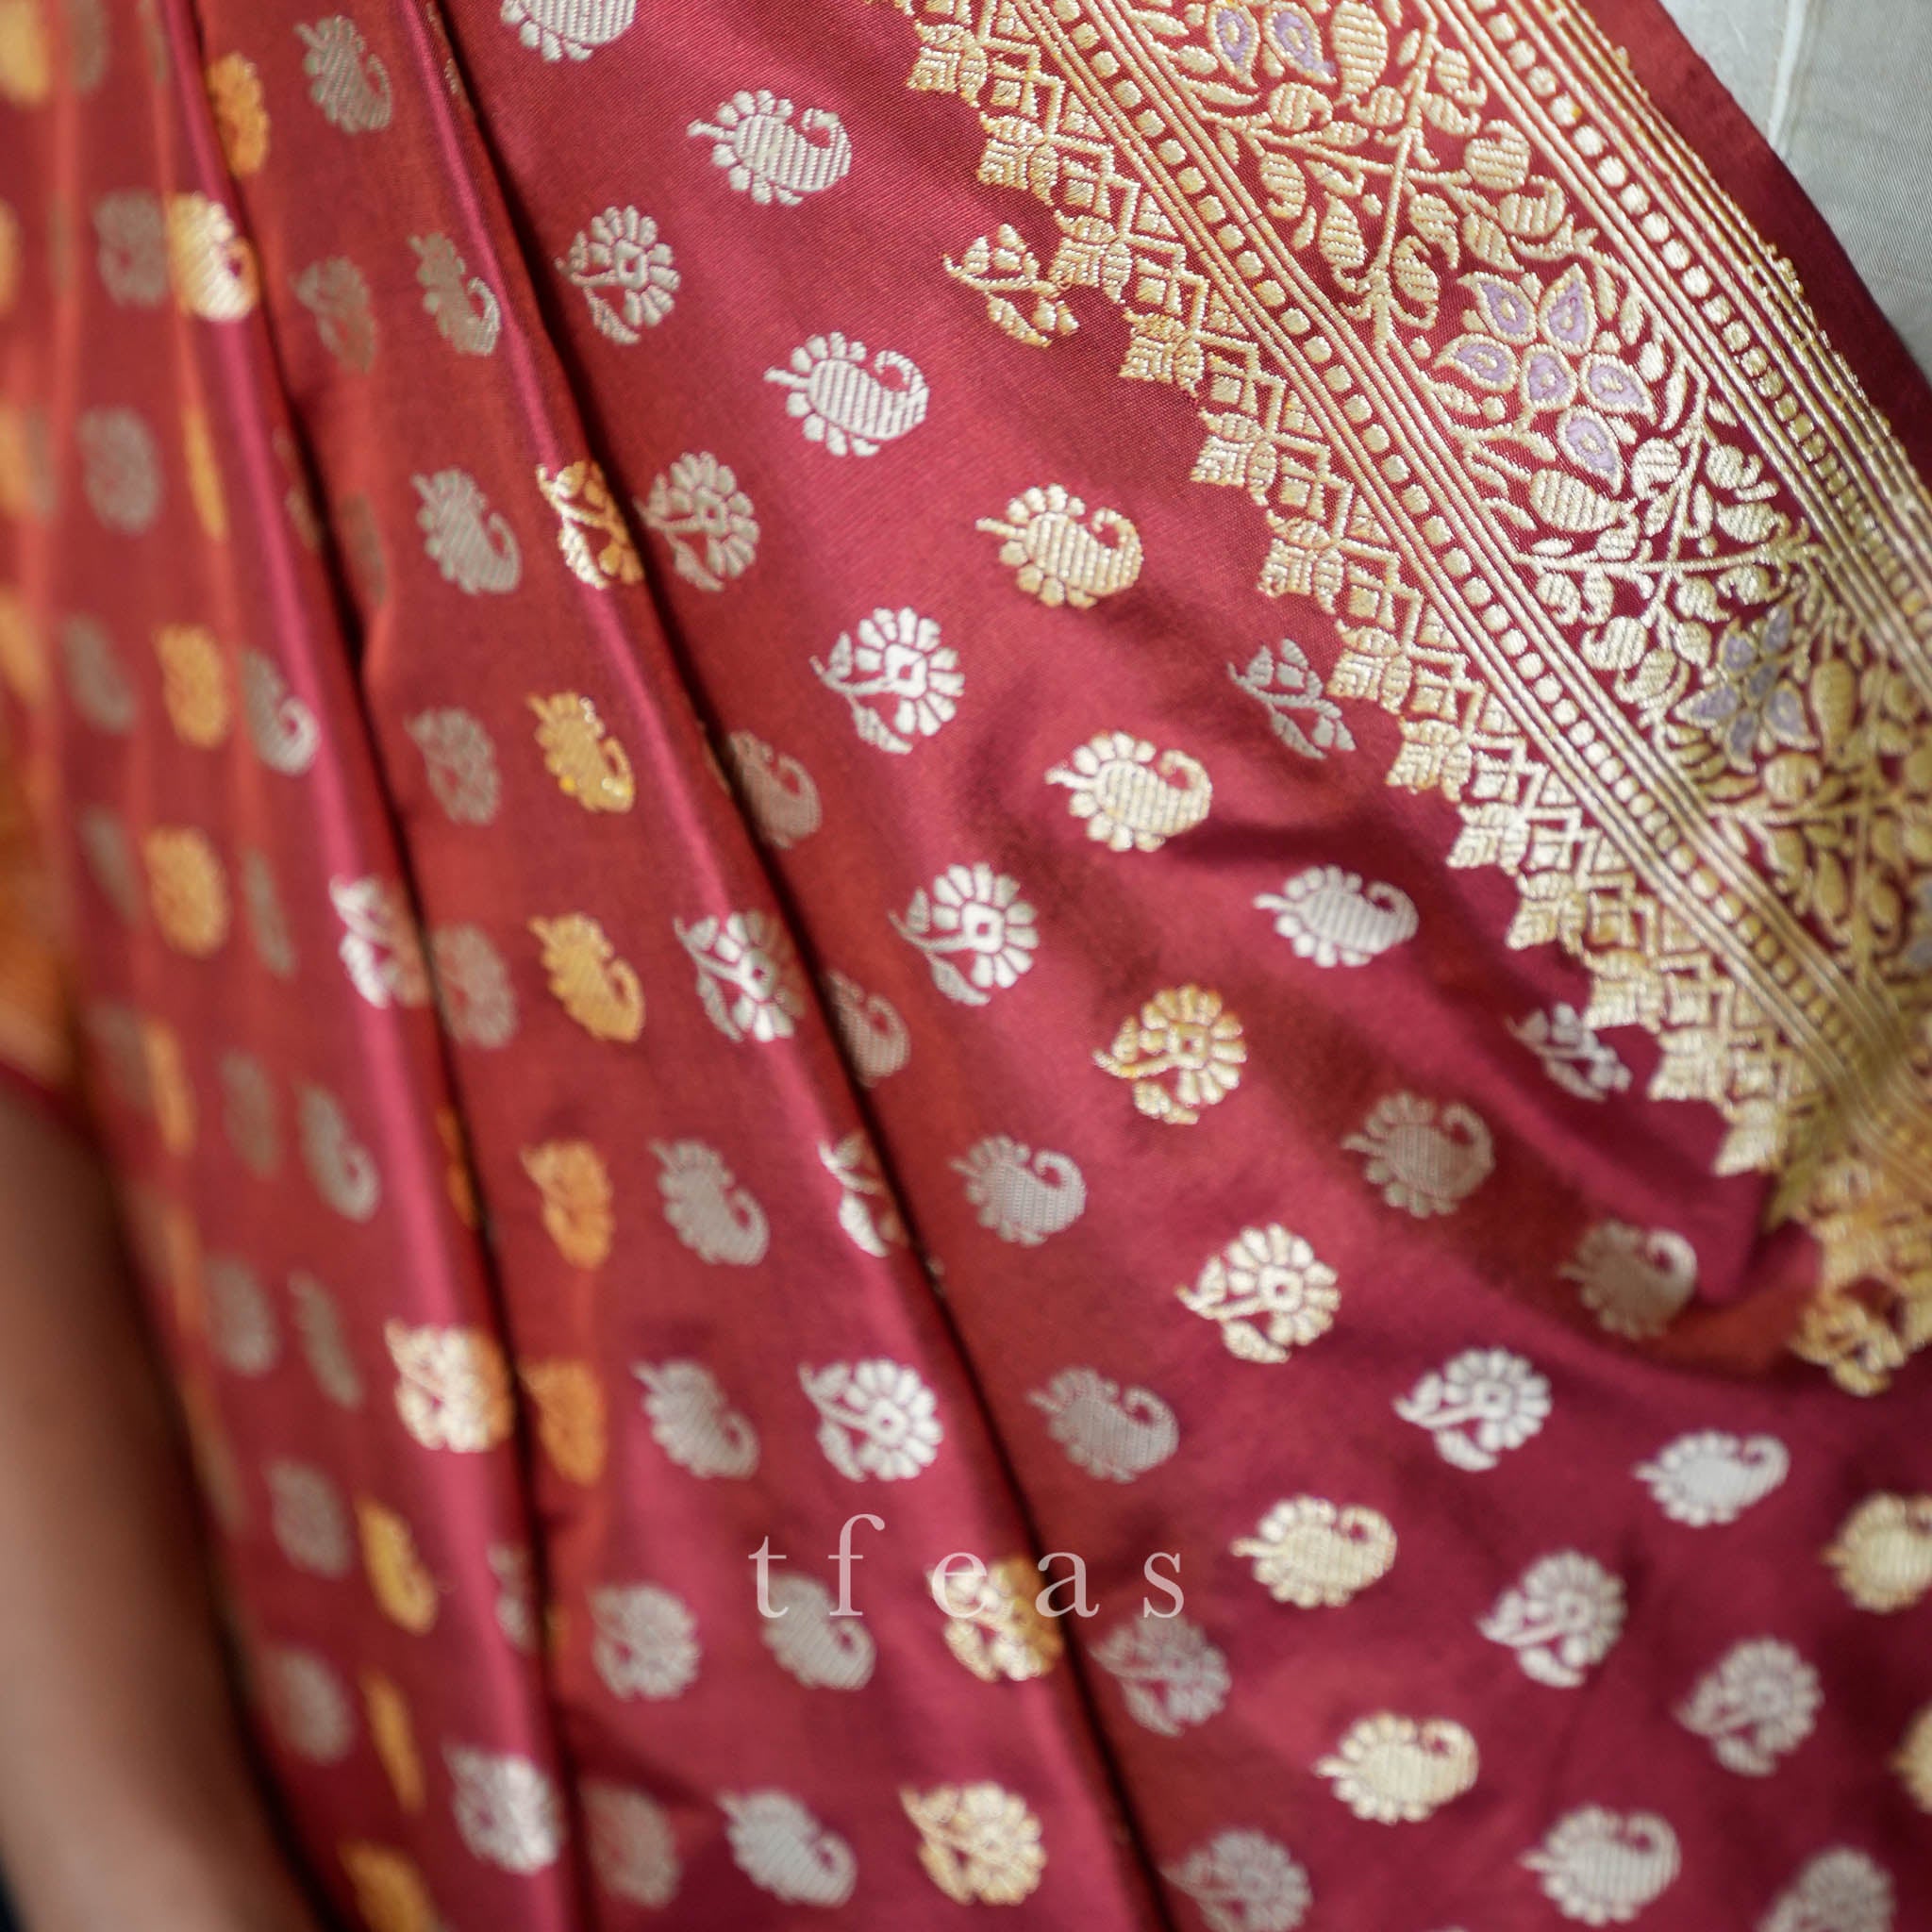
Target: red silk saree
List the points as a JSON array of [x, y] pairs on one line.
[[1147, 829]]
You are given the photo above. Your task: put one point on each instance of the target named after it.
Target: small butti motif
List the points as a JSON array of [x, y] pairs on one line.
[[1242, 1881], [1267, 1293], [1312, 1553], [1635, 1281], [1131, 797], [1062, 553], [978, 1842], [1882, 1554], [626, 273], [977, 934], [568, 30], [345, 80], [1425, 1158], [1399, 1769], [1330, 917], [770, 156], [1755, 1705], [1600, 1867], [1183, 1051], [850, 404]]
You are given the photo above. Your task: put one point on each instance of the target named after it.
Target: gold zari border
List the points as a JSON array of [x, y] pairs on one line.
[[1643, 575]]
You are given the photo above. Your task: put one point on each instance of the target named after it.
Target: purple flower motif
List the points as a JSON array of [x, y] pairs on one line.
[[1293, 32], [1589, 444], [1751, 705], [1505, 309]]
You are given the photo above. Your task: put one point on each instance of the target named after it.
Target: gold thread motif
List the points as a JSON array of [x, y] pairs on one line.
[[978, 1842], [1060, 551], [398, 1578], [576, 1188], [1643, 576], [994, 1625], [600, 991], [204, 474], [394, 1739], [188, 889], [1181, 1052], [586, 510], [588, 764], [194, 684], [390, 1892], [234, 92], [570, 1416]]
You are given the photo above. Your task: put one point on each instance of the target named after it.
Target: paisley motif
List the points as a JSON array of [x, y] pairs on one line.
[[820, 1651], [1328, 916], [336, 294], [784, 1850], [281, 727], [588, 764], [777, 792], [469, 544], [1061, 554], [1600, 1867], [633, 1848], [693, 1423], [597, 990], [345, 80], [767, 154], [847, 404], [394, 1737], [1713, 1477], [574, 1185], [569, 1400], [573, 29], [1132, 799], [194, 684], [96, 679], [1022, 1196], [1882, 1554], [187, 889], [390, 1892], [870, 1029], [1634, 1281], [1395, 1769], [306, 1702], [1425, 1158], [1114, 1436], [1838, 1890], [462, 305], [398, 1578], [1314, 1553], [715, 1218]]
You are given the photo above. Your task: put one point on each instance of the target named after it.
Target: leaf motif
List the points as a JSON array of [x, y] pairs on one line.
[[1415, 277], [1340, 238], [1360, 45]]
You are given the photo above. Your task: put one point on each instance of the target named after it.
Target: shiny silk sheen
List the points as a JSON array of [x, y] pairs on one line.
[[1168, 800]]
